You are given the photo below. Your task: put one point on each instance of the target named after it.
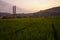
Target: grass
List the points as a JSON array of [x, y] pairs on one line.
[[29, 28]]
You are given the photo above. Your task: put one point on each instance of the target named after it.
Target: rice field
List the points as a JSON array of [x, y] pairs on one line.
[[29, 28]]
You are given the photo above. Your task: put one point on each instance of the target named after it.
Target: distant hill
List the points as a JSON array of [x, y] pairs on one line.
[[5, 14], [7, 8], [55, 11]]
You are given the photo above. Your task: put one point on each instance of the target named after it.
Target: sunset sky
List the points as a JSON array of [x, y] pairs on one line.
[[34, 5]]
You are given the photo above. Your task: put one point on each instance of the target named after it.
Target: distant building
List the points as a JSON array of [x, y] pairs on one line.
[[14, 11]]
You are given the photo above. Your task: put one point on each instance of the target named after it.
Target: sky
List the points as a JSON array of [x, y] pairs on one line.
[[34, 5]]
